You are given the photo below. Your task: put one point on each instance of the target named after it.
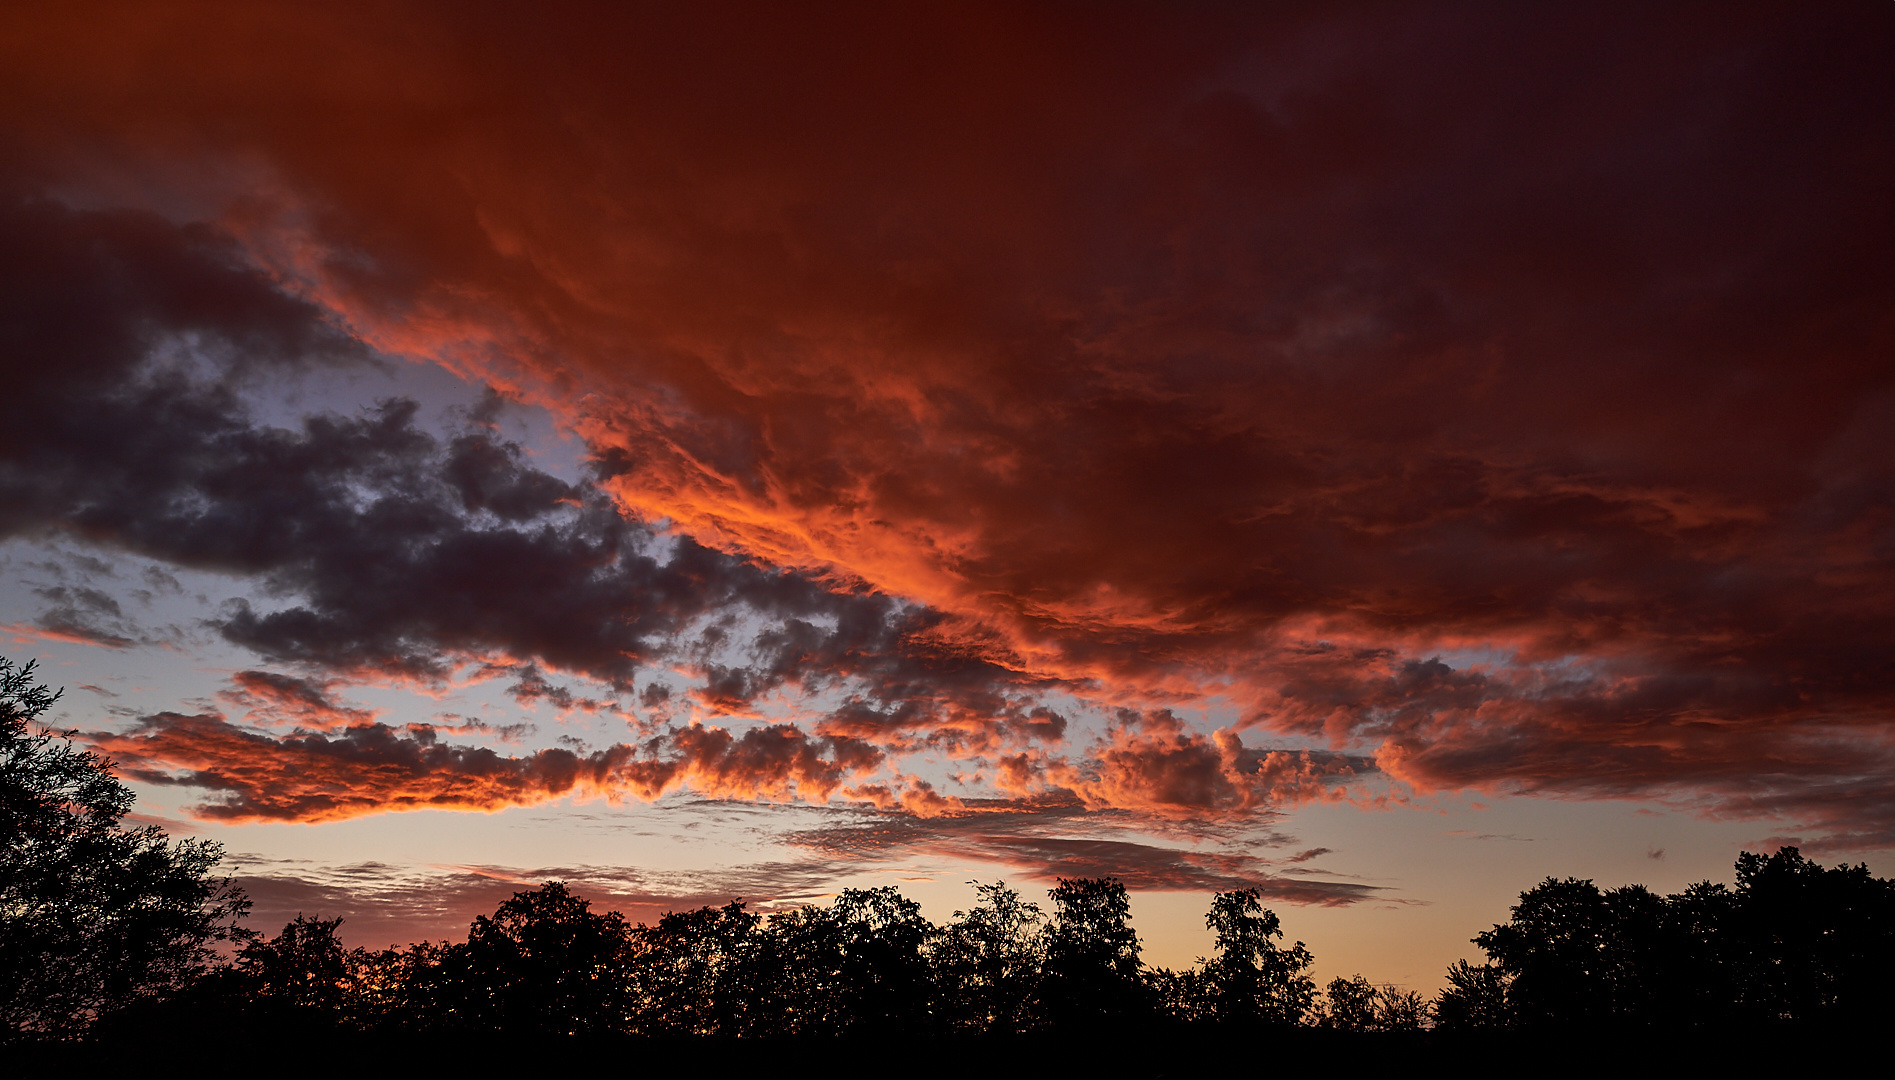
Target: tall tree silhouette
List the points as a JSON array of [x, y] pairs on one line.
[[93, 916], [987, 962], [1553, 949], [1092, 975], [1698, 986], [1812, 944], [700, 973], [544, 963], [883, 977], [1251, 980], [793, 985]]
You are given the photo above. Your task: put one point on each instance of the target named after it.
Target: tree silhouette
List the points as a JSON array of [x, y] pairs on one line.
[[1091, 975], [1400, 1010], [1358, 1005], [1573, 954], [794, 983], [1792, 943], [305, 968], [1350, 1005], [1475, 999], [1811, 944], [701, 973], [93, 916], [1251, 981], [1699, 982], [1553, 949], [987, 962], [858, 967], [544, 963], [884, 982], [407, 989]]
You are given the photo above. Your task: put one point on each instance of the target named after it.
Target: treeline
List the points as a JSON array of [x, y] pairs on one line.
[[1792, 943], [869, 963]]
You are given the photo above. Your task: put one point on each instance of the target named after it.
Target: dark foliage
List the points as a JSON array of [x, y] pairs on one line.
[[94, 916], [1091, 973], [987, 963], [304, 968], [543, 964], [1358, 1005], [1792, 943], [1252, 981]]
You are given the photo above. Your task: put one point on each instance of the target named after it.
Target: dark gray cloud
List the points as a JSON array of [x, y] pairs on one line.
[[1025, 835], [388, 550], [393, 905], [85, 614]]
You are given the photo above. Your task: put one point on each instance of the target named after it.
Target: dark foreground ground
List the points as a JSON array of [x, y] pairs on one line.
[[212, 1051]]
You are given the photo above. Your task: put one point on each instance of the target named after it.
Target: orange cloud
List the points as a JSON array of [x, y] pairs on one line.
[[373, 768], [1504, 401], [1154, 763], [367, 768], [285, 699]]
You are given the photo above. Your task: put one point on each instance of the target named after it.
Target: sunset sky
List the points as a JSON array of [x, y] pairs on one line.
[[1381, 454]]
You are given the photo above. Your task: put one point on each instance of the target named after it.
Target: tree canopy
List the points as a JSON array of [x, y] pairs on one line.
[[93, 915], [1793, 942]]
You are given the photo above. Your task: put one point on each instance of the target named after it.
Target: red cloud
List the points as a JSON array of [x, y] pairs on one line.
[[776, 762], [286, 699], [1508, 394], [373, 768], [1154, 763], [368, 768]]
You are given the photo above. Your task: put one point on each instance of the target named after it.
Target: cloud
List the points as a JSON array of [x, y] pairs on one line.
[[77, 613], [385, 905], [452, 724], [393, 552], [1154, 762], [533, 687], [314, 776], [286, 699], [338, 763], [1500, 399], [1022, 836], [358, 770]]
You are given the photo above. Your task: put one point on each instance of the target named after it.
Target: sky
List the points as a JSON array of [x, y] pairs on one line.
[[1381, 455]]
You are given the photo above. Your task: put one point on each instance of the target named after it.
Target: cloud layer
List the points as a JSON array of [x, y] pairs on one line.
[[1490, 396]]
